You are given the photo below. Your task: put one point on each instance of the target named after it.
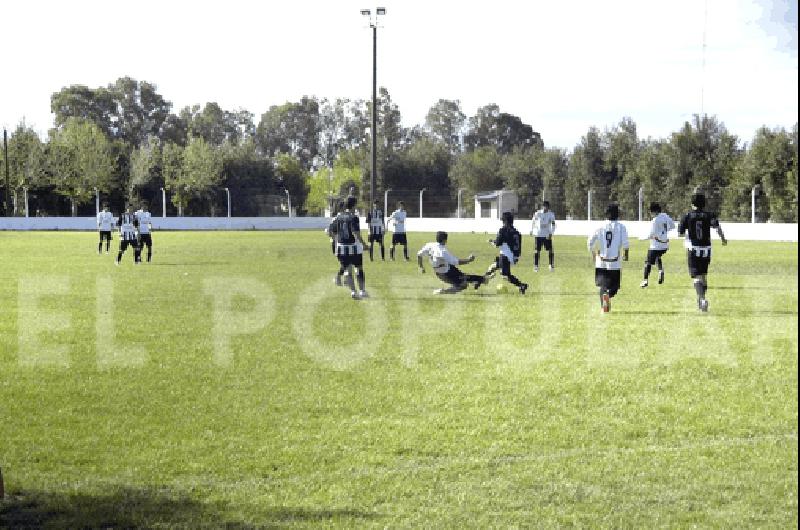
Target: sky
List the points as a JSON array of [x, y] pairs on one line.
[[562, 67]]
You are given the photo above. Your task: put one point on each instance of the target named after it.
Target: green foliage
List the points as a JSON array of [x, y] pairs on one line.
[[327, 185], [478, 170]]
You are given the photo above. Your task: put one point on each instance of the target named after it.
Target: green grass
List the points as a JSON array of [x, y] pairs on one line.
[[148, 397]]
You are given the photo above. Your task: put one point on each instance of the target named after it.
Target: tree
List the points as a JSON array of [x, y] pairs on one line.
[[478, 170], [291, 177], [26, 162], [622, 149], [586, 172], [145, 170], [445, 122], [80, 161], [291, 128], [490, 127]]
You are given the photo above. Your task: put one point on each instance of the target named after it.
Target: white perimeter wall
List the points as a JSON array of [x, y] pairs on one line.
[[733, 231]]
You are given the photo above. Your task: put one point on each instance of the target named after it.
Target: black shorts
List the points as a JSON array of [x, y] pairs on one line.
[[399, 239], [453, 276], [545, 242], [356, 260], [375, 234], [608, 280], [125, 243], [105, 234], [653, 255], [145, 239], [504, 265], [698, 265]]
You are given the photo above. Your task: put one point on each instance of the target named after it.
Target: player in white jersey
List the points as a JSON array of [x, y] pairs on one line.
[[542, 228], [376, 228], [445, 265], [609, 247], [659, 242], [128, 235], [105, 223], [398, 217], [145, 232]]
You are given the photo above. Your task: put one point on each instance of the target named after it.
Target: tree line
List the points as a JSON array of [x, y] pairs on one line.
[[125, 141]]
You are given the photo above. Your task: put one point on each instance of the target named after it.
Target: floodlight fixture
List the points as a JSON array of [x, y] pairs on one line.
[[380, 11], [366, 12]]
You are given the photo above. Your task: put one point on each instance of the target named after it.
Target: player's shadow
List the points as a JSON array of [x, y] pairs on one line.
[[150, 508]]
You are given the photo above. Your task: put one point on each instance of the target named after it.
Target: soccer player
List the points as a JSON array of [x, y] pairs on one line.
[[105, 222], [346, 229], [376, 228], [445, 265], [542, 228], [697, 225], [659, 242], [509, 241], [399, 236], [127, 235], [609, 245], [145, 225]]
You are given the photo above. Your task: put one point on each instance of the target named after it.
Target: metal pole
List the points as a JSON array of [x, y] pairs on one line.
[[641, 201], [373, 178], [458, 207], [589, 212], [289, 202], [753, 204], [386, 202], [8, 180], [228, 193], [96, 201], [420, 201], [163, 203], [25, 189]]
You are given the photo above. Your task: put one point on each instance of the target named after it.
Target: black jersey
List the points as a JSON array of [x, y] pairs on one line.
[[697, 225], [375, 217], [344, 227], [511, 237]]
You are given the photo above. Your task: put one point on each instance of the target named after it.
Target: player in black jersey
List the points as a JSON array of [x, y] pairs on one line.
[[697, 225], [346, 230], [376, 228], [509, 241]]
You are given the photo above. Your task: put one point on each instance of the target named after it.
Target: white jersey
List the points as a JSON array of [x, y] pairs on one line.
[[609, 240], [441, 258], [399, 218], [544, 223], [144, 221], [659, 230], [105, 221]]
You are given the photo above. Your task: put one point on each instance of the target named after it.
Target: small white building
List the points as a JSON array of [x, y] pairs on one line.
[[492, 204]]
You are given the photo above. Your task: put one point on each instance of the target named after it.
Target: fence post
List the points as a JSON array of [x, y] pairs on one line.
[[641, 201], [753, 204], [420, 201], [589, 209]]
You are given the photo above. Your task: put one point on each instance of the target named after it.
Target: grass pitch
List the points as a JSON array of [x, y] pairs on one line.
[[230, 383]]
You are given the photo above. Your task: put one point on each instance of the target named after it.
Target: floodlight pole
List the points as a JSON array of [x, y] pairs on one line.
[[386, 202], [641, 201], [374, 132], [458, 206], [8, 180]]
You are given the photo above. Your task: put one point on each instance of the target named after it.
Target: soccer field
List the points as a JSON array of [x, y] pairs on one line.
[[230, 383]]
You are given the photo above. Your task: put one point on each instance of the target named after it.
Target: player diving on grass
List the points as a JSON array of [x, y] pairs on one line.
[[376, 229], [346, 231], [697, 225], [445, 265], [609, 247], [659, 242], [509, 242]]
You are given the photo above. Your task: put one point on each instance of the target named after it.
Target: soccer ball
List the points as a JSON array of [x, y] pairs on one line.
[[502, 288]]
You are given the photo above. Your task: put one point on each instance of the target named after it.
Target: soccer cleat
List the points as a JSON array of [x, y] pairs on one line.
[[535, 268], [337, 281], [116, 262], [363, 294], [354, 295], [661, 276], [703, 305], [438, 291], [522, 288], [644, 284], [606, 303], [552, 268]]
